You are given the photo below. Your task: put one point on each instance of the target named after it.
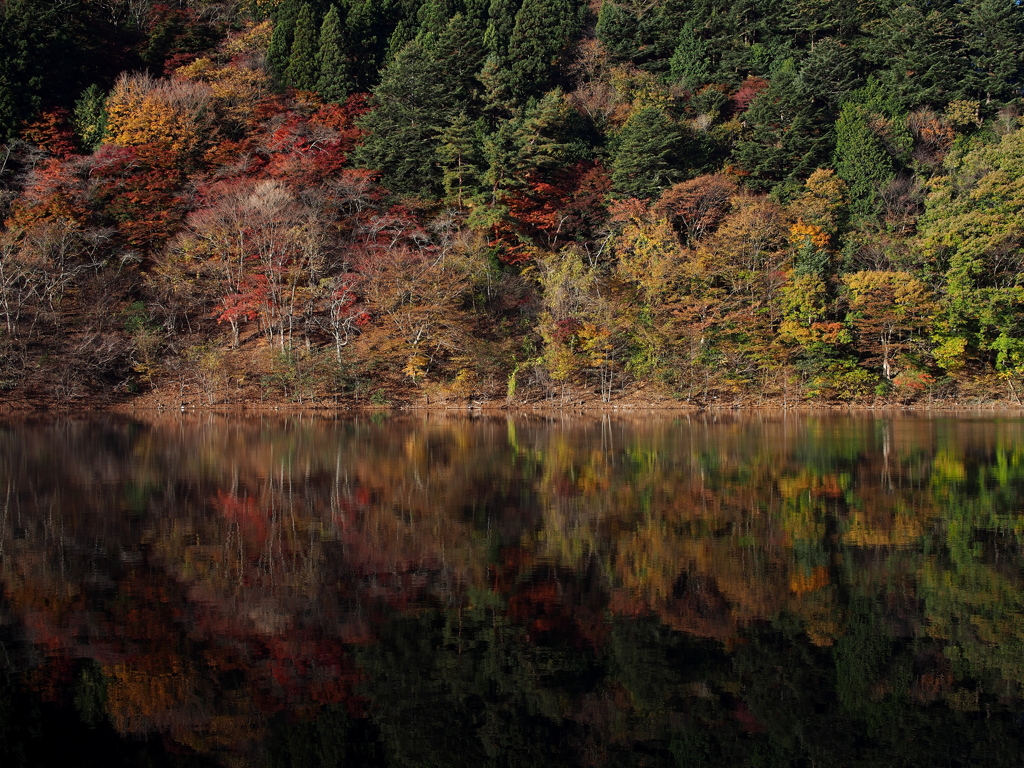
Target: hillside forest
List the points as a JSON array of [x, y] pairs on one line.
[[448, 201]]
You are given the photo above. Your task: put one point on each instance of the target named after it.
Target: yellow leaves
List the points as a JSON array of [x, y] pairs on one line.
[[597, 343], [901, 292], [170, 113], [802, 581], [234, 90], [649, 256], [416, 366], [800, 234], [639, 90], [823, 201]]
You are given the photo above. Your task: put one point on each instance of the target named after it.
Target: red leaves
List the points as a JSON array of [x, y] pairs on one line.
[[696, 207], [747, 92], [53, 191], [52, 133], [568, 206], [253, 296], [139, 191]]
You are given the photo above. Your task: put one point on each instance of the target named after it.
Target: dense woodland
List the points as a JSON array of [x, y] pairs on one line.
[[447, 200]]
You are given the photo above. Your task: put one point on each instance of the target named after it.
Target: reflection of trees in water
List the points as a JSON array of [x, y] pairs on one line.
[[217, 568]]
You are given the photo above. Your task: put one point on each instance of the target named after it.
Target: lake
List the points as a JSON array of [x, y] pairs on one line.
[[762, 590]]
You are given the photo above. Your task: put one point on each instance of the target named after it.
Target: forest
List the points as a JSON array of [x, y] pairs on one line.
[[390, 202]]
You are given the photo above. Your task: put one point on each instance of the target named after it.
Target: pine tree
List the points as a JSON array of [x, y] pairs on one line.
[[501, 20], [788, 134], [90, 117], [861, 161], [691, 60], [281, 39], [995, 37], [541, 37], [617, 29], [302, 72], [335, 79], [648, 157], [421, 92], [459, 154]]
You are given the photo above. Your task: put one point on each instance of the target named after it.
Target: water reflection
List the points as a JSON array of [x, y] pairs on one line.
[[774, 590]]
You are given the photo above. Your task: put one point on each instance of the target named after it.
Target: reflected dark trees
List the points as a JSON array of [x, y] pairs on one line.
[[298, 591]]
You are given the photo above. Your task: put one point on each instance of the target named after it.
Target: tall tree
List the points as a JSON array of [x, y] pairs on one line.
[[649, 154], [335, 77], [787, 134], [421, 92], [539, 43], [302, 72], [501, 20], [281, 39], [862, 161], [994, 33]]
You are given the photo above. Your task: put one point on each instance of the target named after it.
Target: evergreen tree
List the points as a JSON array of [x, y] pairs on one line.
[[501, 20], [648, 157], [421, 92], [459, 154], [45, 55], [862, 161], [920, 56], [335, 78], [995, 38], [830, 72], [363, 41], [281, 39], [691, 60], [541, 37], [302, 72], [90, 117], [433, 15], [788, 135], [617, 29]]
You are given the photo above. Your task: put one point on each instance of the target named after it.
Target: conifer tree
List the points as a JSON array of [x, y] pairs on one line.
[[281, 39], [861, 161], [995, 38], [541, 37], [617, 30], [302, 72], [421, 92], [501, 20], [788, 134], [90, 117], [335, 78], [459, 154], [691, 59], [648, 158]]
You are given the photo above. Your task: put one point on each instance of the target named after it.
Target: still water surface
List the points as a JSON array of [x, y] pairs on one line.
[[765, 591]]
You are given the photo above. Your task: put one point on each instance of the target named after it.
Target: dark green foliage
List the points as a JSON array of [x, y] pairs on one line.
[[421, 92], [788, 136], [994, 33], [501, 20], [48, 54], [831, 70], [540, 41], [861, 161], [649, 154], [690, 63], [302, 72], [920, 55], [335, 79], [281, 39]]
